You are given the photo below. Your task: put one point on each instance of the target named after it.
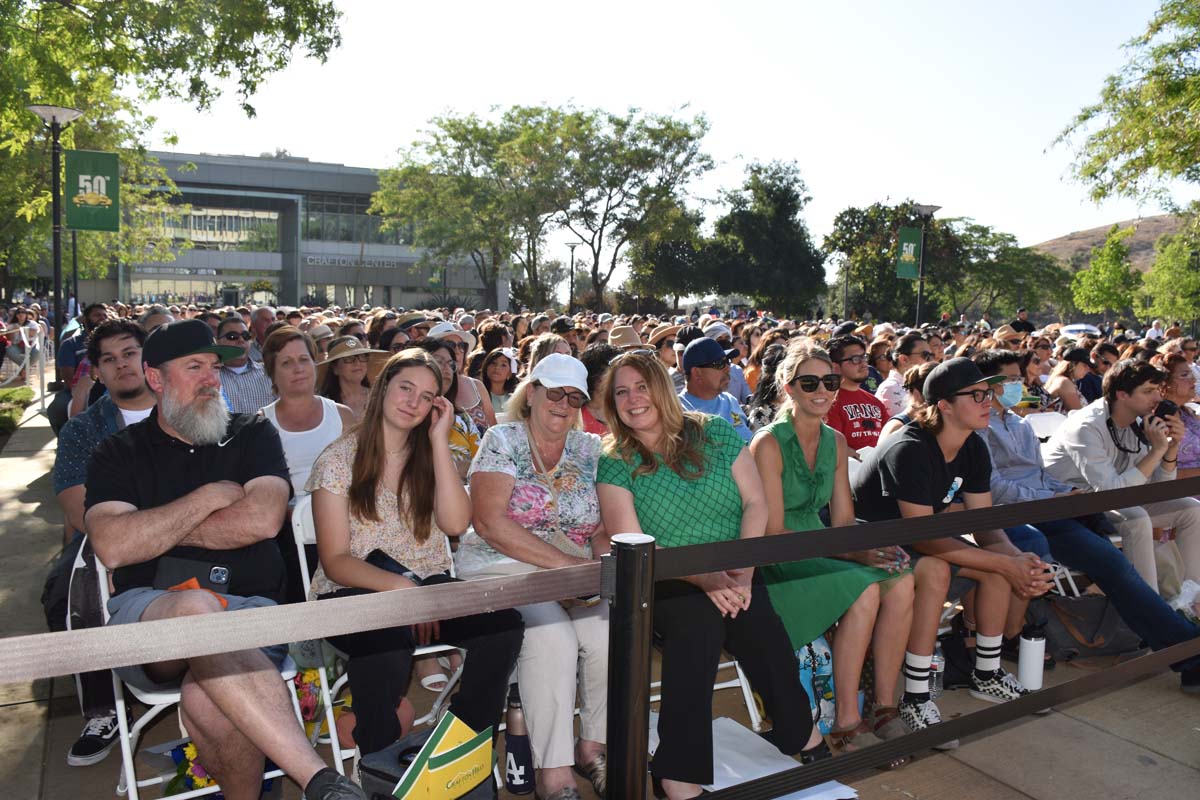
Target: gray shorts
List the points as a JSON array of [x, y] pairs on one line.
[[129, 606]]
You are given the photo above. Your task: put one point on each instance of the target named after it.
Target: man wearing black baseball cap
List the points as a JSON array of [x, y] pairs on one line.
[[919, 471], [184, 507]]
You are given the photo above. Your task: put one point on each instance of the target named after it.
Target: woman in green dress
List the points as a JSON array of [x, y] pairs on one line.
[[803, 464]]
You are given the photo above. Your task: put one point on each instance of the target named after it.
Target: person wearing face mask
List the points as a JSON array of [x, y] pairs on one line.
[[1018, 476]]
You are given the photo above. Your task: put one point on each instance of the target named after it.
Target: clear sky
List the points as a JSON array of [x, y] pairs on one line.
[[949, 103]]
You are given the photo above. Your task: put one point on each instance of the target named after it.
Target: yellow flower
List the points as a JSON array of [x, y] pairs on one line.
[[189, 751]]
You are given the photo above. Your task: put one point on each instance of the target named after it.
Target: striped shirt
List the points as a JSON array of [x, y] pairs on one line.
[[249, 391]]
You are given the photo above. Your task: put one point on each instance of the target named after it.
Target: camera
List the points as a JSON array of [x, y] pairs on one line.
[[1164, 409]]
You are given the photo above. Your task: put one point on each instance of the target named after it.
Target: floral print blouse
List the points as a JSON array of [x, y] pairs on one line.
[[505, 449], [391, 533]]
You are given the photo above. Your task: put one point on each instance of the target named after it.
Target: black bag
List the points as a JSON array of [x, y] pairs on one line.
[[381, 771], [56, 590], [1079, 627], [960, 662]]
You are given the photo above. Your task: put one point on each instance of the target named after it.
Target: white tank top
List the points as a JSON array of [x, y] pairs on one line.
[[301, 448]]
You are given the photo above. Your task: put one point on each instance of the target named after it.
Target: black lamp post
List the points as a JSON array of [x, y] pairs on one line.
[[57, 117], [571, 284], [925, 212]]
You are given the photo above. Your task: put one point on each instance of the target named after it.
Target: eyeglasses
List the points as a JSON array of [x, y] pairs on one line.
[[978, 395], [461, 346], [358, 359], [809, 383], [851, 359], [926, 355], [666, 343], [1035, 361], [362, 337], [244, 336], [574, 399], [396, 347]]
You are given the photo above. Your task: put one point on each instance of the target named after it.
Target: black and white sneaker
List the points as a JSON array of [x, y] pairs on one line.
[[98, 737], [919, 716], [999, 688]]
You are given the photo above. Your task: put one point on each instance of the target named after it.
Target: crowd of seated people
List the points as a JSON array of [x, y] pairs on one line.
[[483, 444]]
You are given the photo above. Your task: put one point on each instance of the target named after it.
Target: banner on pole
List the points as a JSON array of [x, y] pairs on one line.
[[93, 191], [908, 254]]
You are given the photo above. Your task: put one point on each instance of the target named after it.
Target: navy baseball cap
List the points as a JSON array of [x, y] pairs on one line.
[[703, 351], [185, 337]]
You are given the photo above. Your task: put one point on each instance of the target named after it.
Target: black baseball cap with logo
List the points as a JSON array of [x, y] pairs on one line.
[[185, 338], [953, 376]]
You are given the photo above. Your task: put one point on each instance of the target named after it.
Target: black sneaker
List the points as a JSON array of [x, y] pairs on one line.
[[328, 785], [98, 737], [1189, 681]]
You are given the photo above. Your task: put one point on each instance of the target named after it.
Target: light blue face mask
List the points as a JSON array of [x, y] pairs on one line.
[[1012, 394]]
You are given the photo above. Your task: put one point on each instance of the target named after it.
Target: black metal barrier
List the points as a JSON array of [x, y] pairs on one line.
[[632, 597]]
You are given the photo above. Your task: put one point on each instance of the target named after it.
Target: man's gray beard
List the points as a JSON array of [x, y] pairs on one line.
[[203, 421]]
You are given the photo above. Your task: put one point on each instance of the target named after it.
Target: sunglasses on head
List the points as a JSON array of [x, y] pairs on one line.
[[809, 383], [574, 399], [232, 336]]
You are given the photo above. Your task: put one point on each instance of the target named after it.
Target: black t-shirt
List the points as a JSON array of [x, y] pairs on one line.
[[909, 466], [143, 466], [1022, 326]]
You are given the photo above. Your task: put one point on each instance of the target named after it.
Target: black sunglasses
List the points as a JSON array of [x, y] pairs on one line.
[[574, 399], [722, 364], [809, 383], [245, 336]]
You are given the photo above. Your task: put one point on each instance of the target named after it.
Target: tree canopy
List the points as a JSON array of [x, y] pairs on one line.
[[1144, 131], [1110, 283], [94, 55], [1172, 285]]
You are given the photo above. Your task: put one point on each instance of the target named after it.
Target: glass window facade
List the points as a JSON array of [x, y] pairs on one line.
[[330, 217], [240, 230]]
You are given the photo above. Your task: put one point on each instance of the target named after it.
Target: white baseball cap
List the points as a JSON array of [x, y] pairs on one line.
[[445, 329], [557, 370]]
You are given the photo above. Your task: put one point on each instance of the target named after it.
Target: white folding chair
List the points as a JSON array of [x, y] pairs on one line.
[[1045, 423], [304, 532], [157, 703]]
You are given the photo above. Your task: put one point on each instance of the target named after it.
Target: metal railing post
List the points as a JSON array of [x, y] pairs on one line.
[[631, 614]]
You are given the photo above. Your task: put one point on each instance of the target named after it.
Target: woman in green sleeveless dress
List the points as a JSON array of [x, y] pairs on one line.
[[869, 595]]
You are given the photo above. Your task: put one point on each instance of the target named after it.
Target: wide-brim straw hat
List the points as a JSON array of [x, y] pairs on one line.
[[346, 346]]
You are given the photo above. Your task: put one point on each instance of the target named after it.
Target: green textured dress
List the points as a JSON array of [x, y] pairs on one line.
[[811, 595]]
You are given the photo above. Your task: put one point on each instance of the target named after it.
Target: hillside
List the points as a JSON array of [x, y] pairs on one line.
[[1075, 249]]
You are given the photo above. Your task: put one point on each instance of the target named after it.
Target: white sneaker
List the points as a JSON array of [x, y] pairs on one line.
[[919, 716]]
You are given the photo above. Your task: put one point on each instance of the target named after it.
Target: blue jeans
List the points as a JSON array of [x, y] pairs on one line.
[[1147, 614]]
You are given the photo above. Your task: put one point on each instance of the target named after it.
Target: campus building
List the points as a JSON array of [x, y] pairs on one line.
[[297, 226]]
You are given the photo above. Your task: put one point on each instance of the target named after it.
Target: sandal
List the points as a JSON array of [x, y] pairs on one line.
[[596, 773], [862, 736], [818, 752], [886, 724]]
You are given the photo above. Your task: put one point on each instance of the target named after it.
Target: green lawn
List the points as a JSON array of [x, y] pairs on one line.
[[12, 404]]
